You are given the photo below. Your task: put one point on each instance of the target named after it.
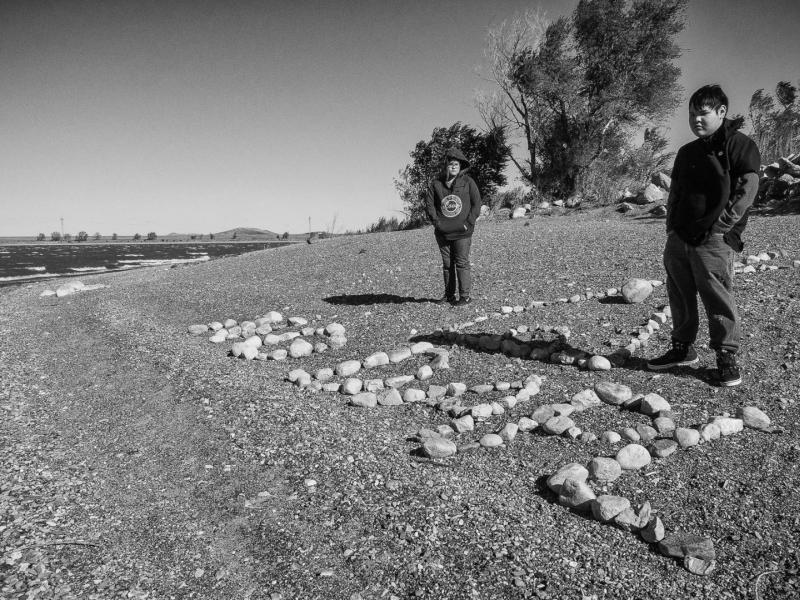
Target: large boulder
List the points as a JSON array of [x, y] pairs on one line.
[[652, 193], [662, 180], [635, 290]]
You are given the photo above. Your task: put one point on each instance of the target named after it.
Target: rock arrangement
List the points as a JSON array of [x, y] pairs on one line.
[[251, 338], [654, 193], [780, 182], [69, 288], [572, 481], [755, 263]]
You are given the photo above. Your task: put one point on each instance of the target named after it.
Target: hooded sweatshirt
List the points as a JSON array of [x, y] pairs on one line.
[[453, 210], [708, 179]]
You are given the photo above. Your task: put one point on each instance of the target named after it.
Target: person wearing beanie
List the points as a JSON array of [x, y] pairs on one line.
[[453, 204]]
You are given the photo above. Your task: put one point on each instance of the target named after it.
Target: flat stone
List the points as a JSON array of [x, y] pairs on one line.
[[491, 440], [613, 393], [663, 448], [576, 494], [481, 411], [298, 348], [585, 399], [296, 374], [288, 336], [456, 389], [321, 347], [482, 388], [249, 352], [413, 395], [390, 397], [334, 329], [543, 413], [468, 447], [698, 566], [680, 544], [653, 532], [686, 437], [502, 386], [526, 424], [508, 402], [709, 432], [630, 434], [573, 432], [728, 425], [352, 386], [364, 400], [606, 507], [562, 410], [604, 470], [497, 408], [634, 519], [439, 448], [399, 355], [509, 432], [323, 374], [420, 347], [612, 437], [436, 391], [664, 426], [575, 471], [398, 381], [635, 291], [652, 404], [377, 359], [646, 433], [633, 457], [337, 341], [462, 424], [279, 354], [348, 368], [587, 437], [557, 425], [198, 329], [424, 373], [373, 385], [444, 430], [754, 418]]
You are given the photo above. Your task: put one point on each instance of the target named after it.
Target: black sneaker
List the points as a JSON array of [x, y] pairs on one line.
[[463, 301], [680, 355], [727, 371], [445, 300]]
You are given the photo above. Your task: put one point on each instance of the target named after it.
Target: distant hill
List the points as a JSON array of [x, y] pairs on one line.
[[246, 233]]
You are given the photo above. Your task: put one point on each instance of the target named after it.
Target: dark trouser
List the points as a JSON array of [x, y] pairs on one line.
[[455, 265], [706, 270]]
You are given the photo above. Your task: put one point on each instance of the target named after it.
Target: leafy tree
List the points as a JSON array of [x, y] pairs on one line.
[[40, 237], [67, 237], [82, 236], [211, 236], [576, 91], [233, 237], [55, 236], [97, 236], [776, 130], [151, 236], [137, 236], [114, 236], [285, 235], [486, 152]]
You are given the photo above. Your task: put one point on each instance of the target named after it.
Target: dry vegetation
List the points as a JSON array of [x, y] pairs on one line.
[[140, 462]]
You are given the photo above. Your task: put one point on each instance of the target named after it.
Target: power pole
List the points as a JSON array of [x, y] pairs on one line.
[[62, 228], [309, 225]]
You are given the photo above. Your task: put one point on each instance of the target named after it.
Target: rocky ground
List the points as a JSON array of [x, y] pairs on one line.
[[140, 461]]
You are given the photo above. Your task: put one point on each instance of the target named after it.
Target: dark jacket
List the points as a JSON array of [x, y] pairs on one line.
[[453, 211], [711, 190]]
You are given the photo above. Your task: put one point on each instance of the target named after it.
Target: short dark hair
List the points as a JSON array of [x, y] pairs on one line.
[[708, 96]]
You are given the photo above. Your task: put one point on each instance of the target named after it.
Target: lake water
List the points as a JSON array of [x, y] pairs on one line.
[[31, 262]]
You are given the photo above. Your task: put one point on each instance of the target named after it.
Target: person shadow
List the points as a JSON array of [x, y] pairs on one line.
[[363, 299]]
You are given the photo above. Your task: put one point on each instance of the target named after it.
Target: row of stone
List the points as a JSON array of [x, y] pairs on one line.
[[570, 484], [756, 262]]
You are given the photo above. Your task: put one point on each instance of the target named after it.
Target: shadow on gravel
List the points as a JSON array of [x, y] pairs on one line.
[[360, 299], [612, 300]]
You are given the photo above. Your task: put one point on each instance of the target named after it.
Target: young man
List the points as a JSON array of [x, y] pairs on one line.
[[453, 204], [714, 183]]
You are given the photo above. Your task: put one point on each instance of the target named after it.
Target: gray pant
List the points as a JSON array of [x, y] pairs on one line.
[[707, 271], [455, 265]]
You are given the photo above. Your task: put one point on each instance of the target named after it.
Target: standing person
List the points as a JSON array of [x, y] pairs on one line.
[[453, 204], [714, 183]]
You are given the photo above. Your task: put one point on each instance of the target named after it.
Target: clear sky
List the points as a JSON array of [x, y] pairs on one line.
[[198, 116]]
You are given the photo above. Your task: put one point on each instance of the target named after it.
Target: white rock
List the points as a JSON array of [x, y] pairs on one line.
[[456, 389], [573, 432], [576, 494], [249, 352], [334, 329], [424, 373], [728, 425], [438, 448], [557, 425], [373, 385], [491, 440], [271, 339], [585, 399], [398, 381], [598, 363], [481, 411], [279, 354], [413, 395], [323, 374], [288, 336], [296, 374], [198, 329], [320, 347], [604, 469], [421, 347], [228, 323], [347, 368], [254, 341], [237, 349], [462, 424], [633, 456], [613, 393], [652, 404], [272, 316], [364, 400], [377, 359], [606, 507], [399, 355], [509, 431], [526, 424], [352, 386], [497, 408], [575, 471], [636, 290], [215, 326], [506, 310], [218, 337], [612, 437], [389, 397], [508, 402], [754, 418], [709, 432], [298, 321]]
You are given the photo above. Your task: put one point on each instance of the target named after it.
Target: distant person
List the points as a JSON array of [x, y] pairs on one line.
[[453, 204], [714, 183]]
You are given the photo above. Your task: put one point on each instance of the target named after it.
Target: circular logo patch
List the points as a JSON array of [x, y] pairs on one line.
[[451, 205]]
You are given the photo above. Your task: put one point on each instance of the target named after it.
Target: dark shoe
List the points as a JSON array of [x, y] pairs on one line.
[[727, 371], [463, 301], [680, 355], [445, 300]]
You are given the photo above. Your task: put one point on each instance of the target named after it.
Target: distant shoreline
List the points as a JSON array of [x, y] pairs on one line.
[[22, 242]]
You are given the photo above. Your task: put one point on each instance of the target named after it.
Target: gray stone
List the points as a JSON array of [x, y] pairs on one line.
[[373, 385], [413, 395], [229, 323], [249, 352], [300, 348], [646, 433], [295, 374], [543, 413], [652, 404], [288, 336], [398, 381], [687, 438], [508, 402], [680, 544], [198, 329], [698, 566], [399, 355], [462, 424], [497, 408], [632, 519], [334, 329], [664, 426], [456, 389], [424, 373], [709, 432], [254, 341], [635, 291], [439, 448], [390, 397], [377, 359], [598, 363], [663, 448], [575, 471], [481, 388], [606, 507], [436, 391], [612, 437], [509, 431], [279, 354], [347, 368], [442, 361], [352, 386], [728, 425], [481, 411], [613, 393], [604, 470], [337, 341], [653, 532], [364, 400], [754, 418], [633, 457], [585, 399], [491, 440], [562, 410], [320, 347], [573, 432], [420, 347], [502, 386], [587, 437], [576, 494], [557, 425], [526, 424]]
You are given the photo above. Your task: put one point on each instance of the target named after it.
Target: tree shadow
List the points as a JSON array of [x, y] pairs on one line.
[[362, 299]]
